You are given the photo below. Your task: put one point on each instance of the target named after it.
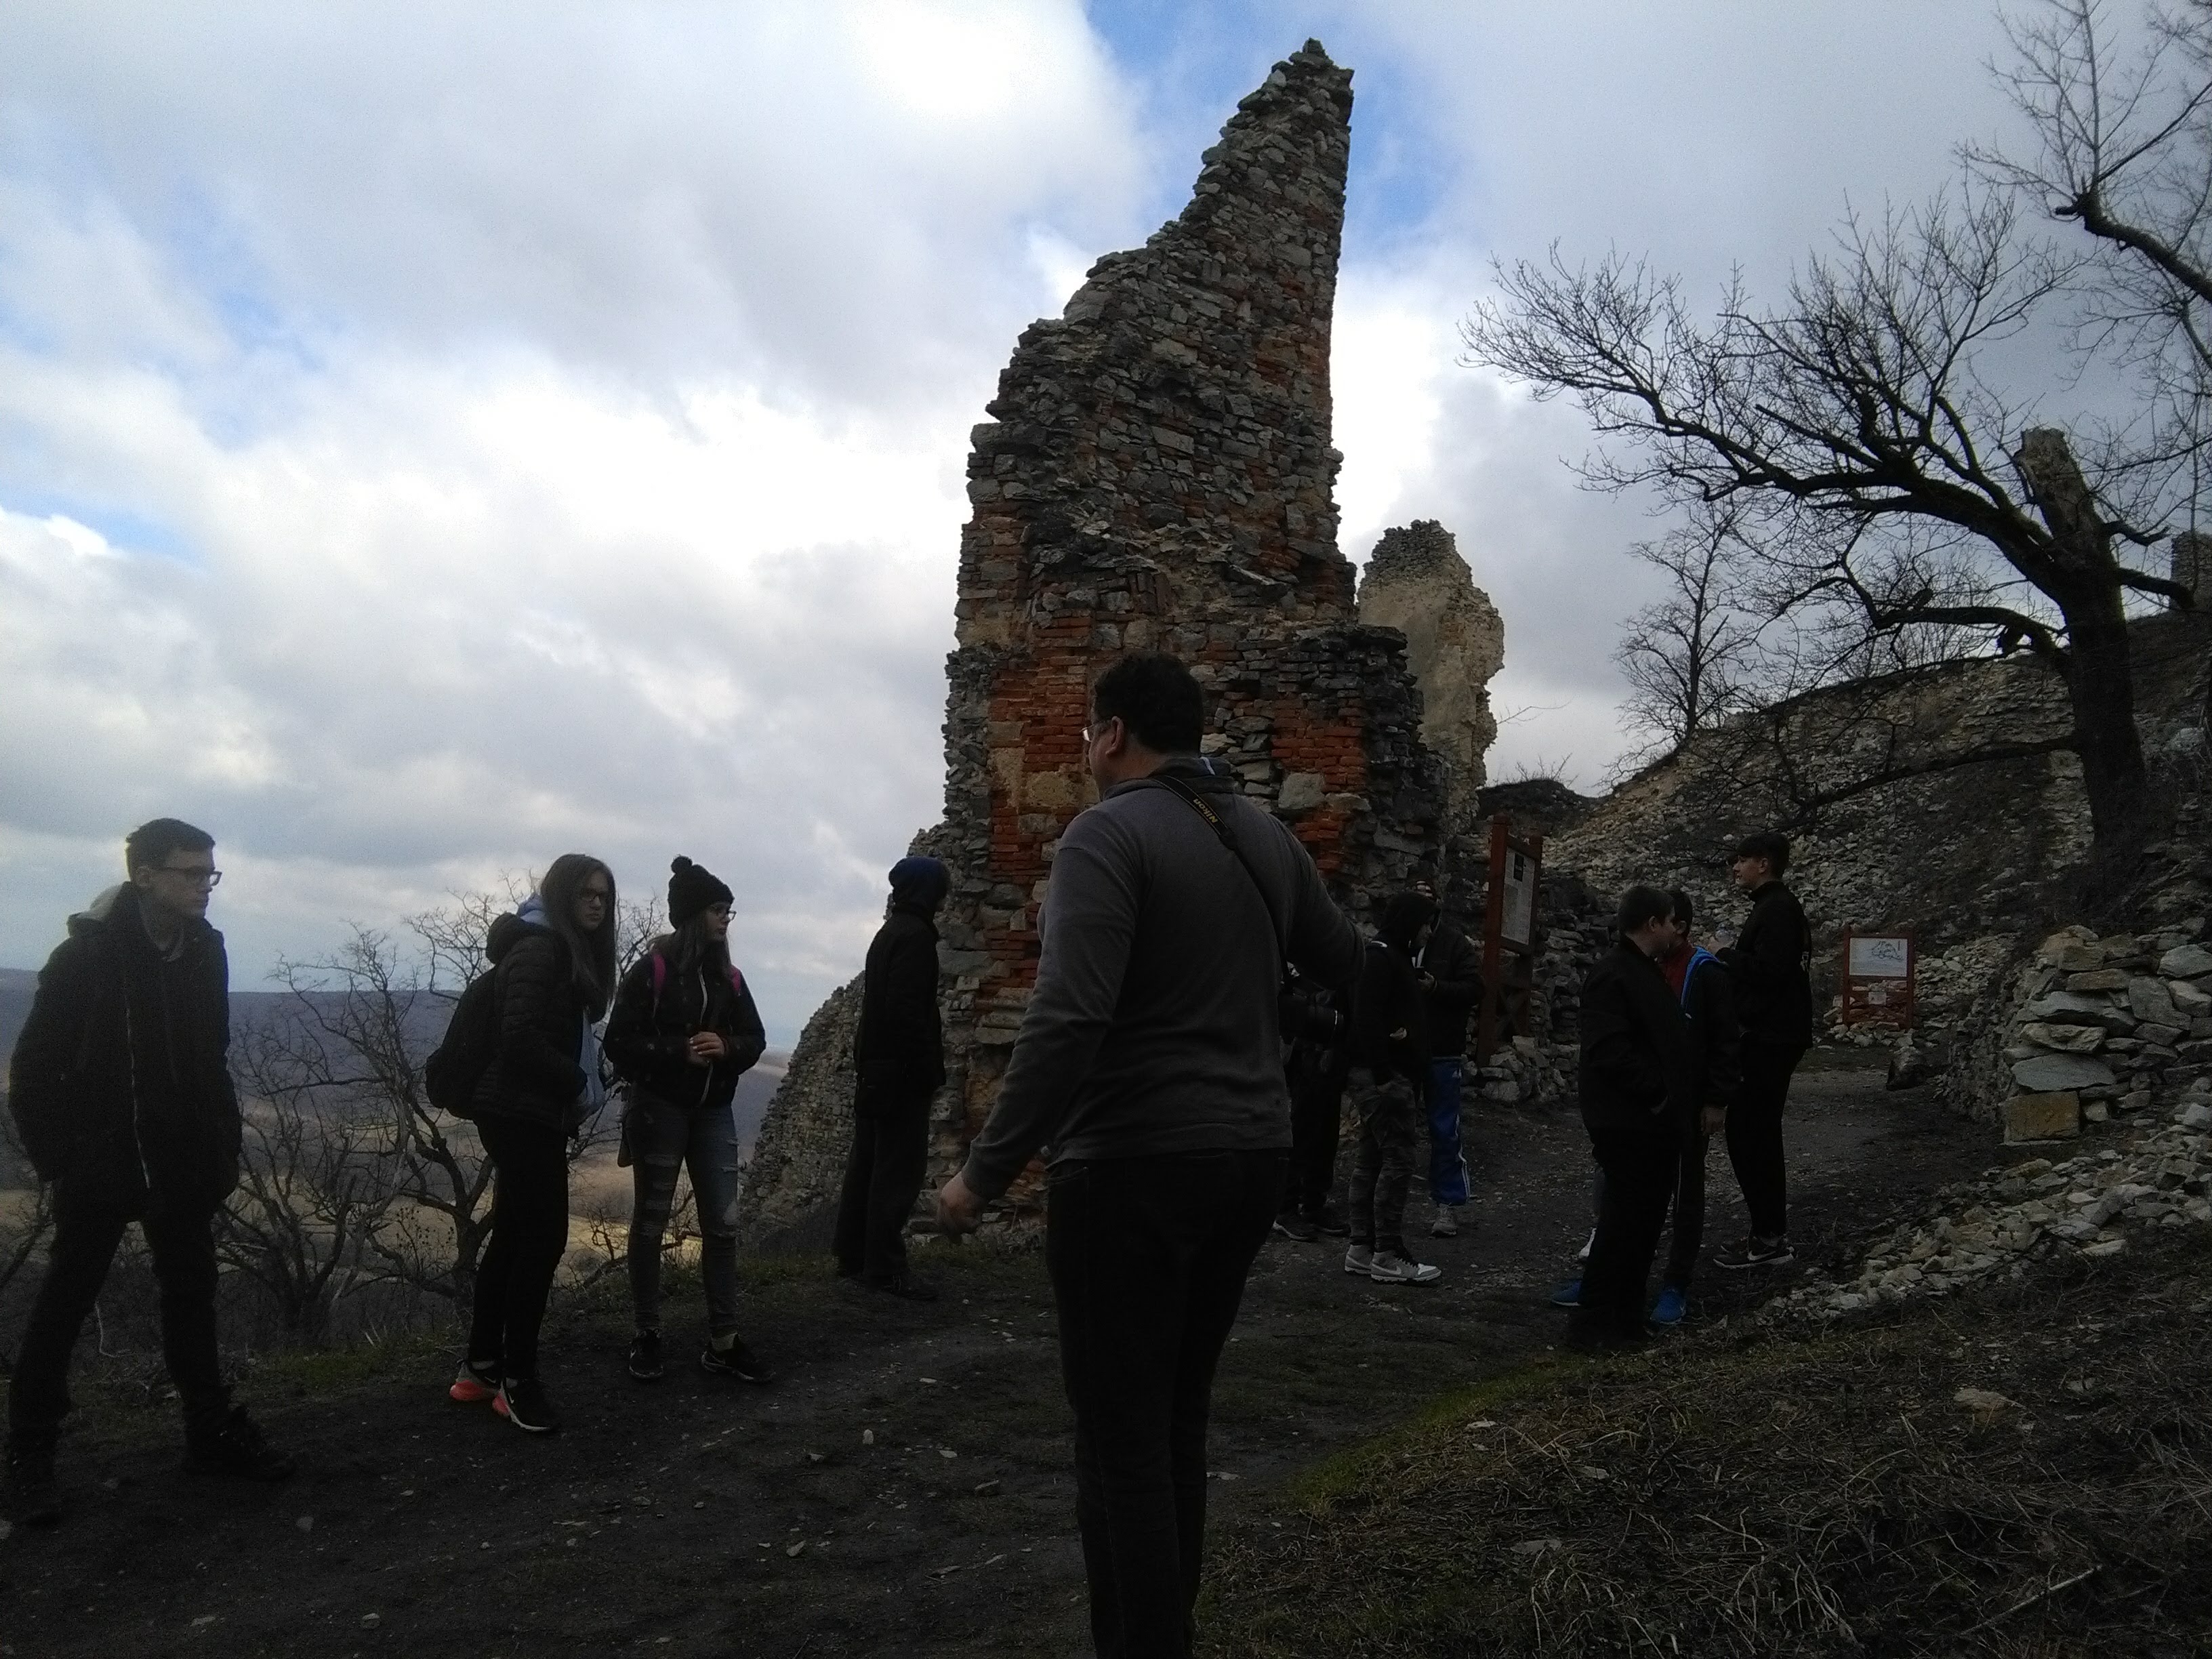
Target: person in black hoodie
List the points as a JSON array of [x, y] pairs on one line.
[[1636, 1098], [555, 961], [1702, 986], [683, 1031], [1390, 1040], [1770, 965], [120, 1088], [1451, 972], [898, 1060]]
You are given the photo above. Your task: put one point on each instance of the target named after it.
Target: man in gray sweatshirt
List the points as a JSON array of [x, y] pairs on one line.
[[1150, 1065]]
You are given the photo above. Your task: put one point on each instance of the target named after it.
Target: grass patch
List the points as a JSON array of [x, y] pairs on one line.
[[1834, 1494]]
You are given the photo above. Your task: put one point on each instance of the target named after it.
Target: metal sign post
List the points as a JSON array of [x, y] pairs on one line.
[[1509, 935], [1879, 979]]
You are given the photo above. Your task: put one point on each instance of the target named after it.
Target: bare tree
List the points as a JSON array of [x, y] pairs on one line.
[[1860, 432], [1694, 657]]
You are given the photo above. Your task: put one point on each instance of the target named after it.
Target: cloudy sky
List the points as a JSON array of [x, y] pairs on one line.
[[432, 437]]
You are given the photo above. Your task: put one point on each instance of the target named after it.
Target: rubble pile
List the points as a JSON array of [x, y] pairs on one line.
[[1993, 1228]]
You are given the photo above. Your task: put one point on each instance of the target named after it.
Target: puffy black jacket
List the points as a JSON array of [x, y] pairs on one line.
[[535, 1076], [1635, 1072], [1452, 962], [120, 1083], [649, 1033], [899, 1052], [1771, 962]]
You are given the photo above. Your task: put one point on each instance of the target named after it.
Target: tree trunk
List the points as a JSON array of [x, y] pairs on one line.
[[2100, 673]]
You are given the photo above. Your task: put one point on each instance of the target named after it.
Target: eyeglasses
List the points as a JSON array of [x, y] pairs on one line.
[[594, 896], [197, 878]]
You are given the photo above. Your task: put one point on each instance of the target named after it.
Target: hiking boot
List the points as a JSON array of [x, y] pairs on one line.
[[1666, 1312], [1360, 1259], [645, 1357], [1755, 1252], [475, 1381], [31, 1495], [1326, 1222], [1446, 1225], [1568, 1295], [234, 1446], [736, 1360], [1296, 1229], [522, 1402], [905, 1286], [1387, 1268]]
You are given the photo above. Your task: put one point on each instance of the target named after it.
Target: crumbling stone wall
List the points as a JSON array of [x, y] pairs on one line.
[[1157, 474], [1417, 582]]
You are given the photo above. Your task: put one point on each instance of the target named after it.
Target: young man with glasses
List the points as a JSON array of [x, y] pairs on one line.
[[120, 1086]]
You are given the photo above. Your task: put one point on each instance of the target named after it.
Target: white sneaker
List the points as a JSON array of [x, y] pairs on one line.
[[1446, 1225], [1583, 1255], [1387, 1269], [1360, 1259]]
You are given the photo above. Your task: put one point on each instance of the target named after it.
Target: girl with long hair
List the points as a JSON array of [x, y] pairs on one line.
[[555, 959], [683, 1031]]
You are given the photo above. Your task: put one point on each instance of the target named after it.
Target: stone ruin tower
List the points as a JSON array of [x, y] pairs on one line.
[[1156, 474], [1417, 582]]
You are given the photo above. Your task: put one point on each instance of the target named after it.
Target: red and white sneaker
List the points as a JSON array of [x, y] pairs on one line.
[[473, 1384]]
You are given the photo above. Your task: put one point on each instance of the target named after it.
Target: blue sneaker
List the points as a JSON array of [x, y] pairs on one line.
[[1568, 1295], [1670, 1308]]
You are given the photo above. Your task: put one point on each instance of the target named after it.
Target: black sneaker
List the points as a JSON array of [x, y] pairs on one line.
[[905, 1286], [1298, 1229], [1754, 1252], [1326, 1221], [645, 1357], [522, 1402], [737, 1360], [31, 1494], [234, 1446]]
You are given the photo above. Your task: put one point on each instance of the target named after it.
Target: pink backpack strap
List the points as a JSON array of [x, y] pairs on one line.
[[660, 976], [737, 980]]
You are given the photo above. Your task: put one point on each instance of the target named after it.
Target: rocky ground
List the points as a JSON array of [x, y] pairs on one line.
[[903, 1488]]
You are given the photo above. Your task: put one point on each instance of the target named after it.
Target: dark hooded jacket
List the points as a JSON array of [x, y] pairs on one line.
[[1635, 1075], [649, 1033], [1390, 1021], [535, 1076], [1450, 960], [120, 1082], [899, 1053], [1770, 964]]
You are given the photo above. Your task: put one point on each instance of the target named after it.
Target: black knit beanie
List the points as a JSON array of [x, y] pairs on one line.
[[692, 889]]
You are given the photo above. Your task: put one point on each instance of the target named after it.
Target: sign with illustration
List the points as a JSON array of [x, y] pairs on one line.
[[1509, 937], [1877, 981]]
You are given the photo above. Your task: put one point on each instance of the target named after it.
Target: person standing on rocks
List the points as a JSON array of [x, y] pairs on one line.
[[554, 957], [1701, 986], [1390, 1048], [898, 1060], [683, 1031], [1150, 1060], [121, 1090], [1449, 969], [1634, 1084], [1770, 965]]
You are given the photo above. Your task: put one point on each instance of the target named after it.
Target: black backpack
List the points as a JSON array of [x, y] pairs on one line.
[[457, 1064]]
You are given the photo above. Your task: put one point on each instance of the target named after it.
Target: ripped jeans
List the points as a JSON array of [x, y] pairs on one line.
[[662, 1138]]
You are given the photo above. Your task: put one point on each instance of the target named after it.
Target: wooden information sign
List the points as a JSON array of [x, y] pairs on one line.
[[1509, 936], [1878, 979]]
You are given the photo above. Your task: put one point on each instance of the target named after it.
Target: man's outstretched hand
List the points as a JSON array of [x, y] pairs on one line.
[[958, 1209]]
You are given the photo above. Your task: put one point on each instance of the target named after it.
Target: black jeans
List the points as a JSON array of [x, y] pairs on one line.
[[529, 1237], [86, 1232], [1316, 1124], [883, 1176], [1148, 1257], [1689, 1211], [1641, 1166], [1754, 1137]]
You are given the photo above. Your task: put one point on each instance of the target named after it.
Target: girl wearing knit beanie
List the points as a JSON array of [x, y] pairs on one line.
[[683, 1031]]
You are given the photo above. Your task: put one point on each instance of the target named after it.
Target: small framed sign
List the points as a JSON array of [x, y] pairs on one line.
[[1878, 979], [1509, 937]]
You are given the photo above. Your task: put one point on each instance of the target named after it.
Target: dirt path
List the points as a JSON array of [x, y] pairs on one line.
[[692, 1518]]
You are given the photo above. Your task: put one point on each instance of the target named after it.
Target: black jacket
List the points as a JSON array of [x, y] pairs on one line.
[[1454, 963], [1318, 1036], [1389, 1025], [1635, 1072], [535, 1076], [120, 1083], [1771, 962], [899, 1051], [648, 1036], [1716, 1035]]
